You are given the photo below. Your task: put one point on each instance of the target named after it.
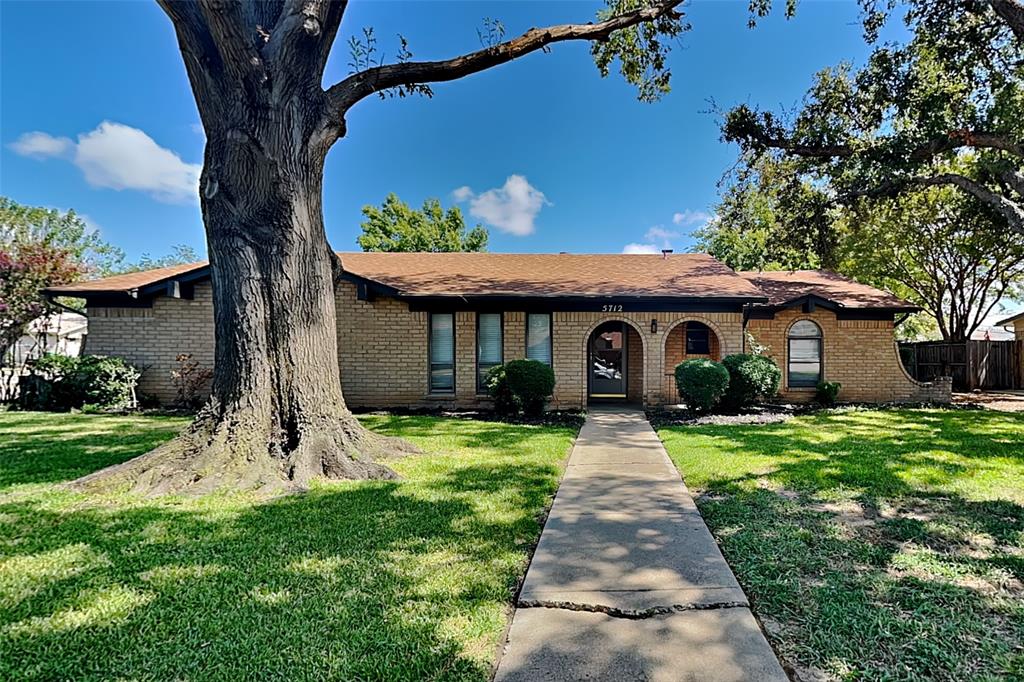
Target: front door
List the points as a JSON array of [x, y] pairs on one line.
[[607, 354]]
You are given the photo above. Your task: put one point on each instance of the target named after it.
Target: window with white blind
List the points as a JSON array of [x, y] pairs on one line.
[[804, 345], [488, 347], [442, 353], [538, 337]]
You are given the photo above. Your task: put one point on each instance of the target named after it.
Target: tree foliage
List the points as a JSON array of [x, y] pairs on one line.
[[899, 123], [397, 227], [943, 250]]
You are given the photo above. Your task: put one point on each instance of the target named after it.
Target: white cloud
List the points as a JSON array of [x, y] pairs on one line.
[[659, 233], [511, 208], [40, 145], [635, 248], [120, 157], [689, 217], [197, 128]]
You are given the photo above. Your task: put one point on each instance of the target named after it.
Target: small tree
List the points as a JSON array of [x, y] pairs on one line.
[[397, 227], [25, 269], [189, 379]]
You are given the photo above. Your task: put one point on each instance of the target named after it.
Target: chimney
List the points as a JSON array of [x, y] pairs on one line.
[[665, 253]]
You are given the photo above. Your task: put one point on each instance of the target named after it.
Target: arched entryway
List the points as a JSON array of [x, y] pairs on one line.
[[685, 341], [615, 363]]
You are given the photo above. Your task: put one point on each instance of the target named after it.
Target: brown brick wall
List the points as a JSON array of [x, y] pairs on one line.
[[860, 354], [383, 350], [151, 338], [675, 352]]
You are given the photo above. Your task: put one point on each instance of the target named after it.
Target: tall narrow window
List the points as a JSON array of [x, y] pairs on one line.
[[538, 337], [442, 353], [804, 354], [698, 340], [488, 346]]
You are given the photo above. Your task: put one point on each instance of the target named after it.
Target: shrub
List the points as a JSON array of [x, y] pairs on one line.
[[701, 383], [189, 379], [59, 382], [752, 379], [521, 386], [827, 392]]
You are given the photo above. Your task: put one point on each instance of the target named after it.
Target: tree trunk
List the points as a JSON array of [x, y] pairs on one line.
[[276, 419]]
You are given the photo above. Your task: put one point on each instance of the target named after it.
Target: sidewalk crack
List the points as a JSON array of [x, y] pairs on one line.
[[631, 614]]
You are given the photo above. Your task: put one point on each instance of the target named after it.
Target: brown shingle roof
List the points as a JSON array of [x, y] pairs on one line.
[[125, 283], [685, 275], [1010, 319], [784, 286], [514, 274]]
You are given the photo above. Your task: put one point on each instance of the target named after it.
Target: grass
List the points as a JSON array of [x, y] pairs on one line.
[[354, 580], [874, 545]]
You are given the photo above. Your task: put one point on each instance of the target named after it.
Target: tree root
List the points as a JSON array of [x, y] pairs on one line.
[[216, 454]]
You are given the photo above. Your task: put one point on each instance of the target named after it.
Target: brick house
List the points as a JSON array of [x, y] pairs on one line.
[[419, 329]]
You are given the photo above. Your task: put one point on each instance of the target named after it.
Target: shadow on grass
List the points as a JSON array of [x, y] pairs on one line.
[[879, 545], [379, 580], [39, 447]]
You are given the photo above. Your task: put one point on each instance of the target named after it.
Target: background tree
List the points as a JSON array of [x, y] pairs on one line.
[[938, 248], [397, 227], [61, 230], [899, 124], [25, 268], [181, 254], [277, 418]]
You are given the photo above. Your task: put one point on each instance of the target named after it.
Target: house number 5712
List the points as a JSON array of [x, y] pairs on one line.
[[611, 309]]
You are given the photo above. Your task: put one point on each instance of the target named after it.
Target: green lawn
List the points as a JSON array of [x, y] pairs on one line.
[[370, 580], [881, 545]]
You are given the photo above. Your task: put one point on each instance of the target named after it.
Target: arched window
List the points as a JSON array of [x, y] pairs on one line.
[[804, 354]]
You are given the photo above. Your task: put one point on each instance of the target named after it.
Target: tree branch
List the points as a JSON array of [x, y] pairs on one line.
[[1011, 210], [343, 95], [952, 141], [1012, 12]]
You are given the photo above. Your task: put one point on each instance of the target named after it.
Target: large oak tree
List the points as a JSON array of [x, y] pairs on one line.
[[896, 125], [277, 418]]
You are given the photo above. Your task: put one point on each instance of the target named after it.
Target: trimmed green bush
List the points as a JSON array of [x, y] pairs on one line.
[[827, 392], [521, 386], [60, 383], [701, 383], [752, 379]]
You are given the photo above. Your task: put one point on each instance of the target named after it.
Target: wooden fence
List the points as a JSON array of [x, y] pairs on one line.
[[972, 364]]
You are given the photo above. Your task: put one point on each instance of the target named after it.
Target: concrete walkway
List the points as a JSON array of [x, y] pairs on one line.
[[627, 582]]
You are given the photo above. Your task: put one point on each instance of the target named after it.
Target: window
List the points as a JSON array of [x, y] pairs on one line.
[[442, 353], [538, 337], [804, 354], [698, 340], [488, 346]]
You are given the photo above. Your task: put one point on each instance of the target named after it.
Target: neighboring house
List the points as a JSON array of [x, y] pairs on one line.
[[61, 332], [419, 329], [1014, 322]]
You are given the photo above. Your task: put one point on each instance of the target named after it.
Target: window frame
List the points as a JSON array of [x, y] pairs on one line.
[[430, 361], [480, 388], [820, 339], [551, 337]]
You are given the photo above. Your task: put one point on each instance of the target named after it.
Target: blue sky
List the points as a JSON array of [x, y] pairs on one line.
[[547, 154]]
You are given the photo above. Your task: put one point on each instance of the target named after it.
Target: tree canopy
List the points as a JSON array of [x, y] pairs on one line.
[[395, 226], [899, 123]]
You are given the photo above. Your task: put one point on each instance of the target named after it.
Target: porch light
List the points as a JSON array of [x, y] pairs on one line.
[[654, 325]]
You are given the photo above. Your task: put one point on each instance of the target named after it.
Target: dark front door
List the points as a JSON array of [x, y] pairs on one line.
[[608, 361]]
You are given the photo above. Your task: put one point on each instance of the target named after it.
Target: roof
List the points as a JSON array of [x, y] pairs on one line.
[[549, 275], [785, 287], [430, 275], [127, 282], [1011, 319]]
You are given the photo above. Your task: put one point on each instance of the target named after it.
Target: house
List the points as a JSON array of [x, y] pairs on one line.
[[1014, 322], [418, 329], [61, 332]]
